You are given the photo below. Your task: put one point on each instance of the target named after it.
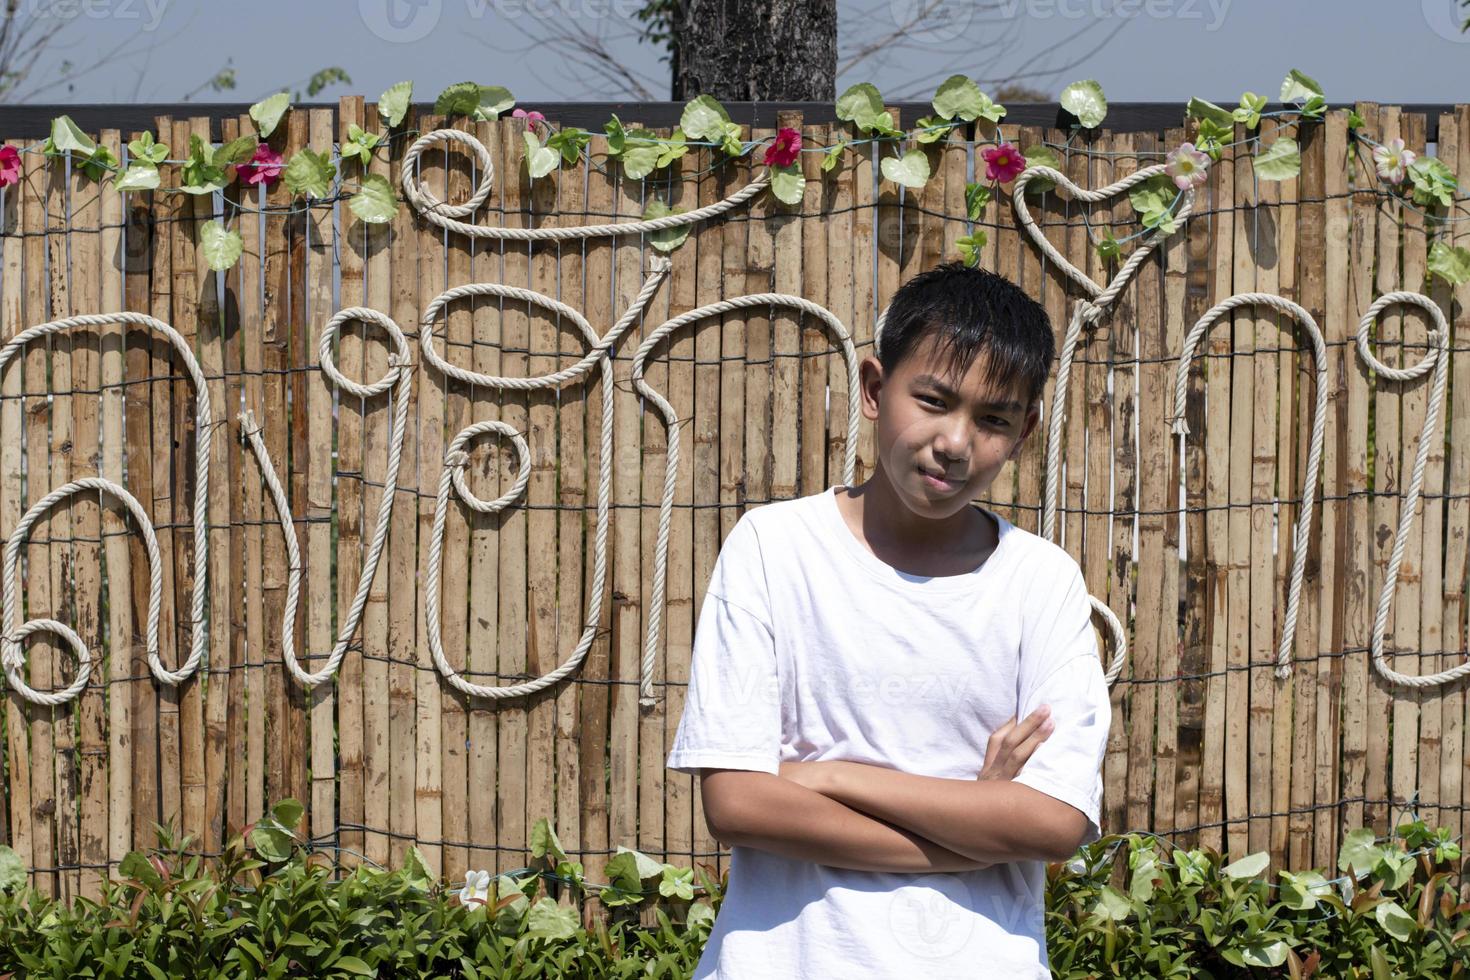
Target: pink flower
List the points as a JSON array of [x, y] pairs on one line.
[[1392, 160], [1188, 166], [1003, 162], [785, 150], [263, 168], [9, 165], [532, 118]]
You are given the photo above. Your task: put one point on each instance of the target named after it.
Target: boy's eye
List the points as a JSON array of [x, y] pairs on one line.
[[931, 400]]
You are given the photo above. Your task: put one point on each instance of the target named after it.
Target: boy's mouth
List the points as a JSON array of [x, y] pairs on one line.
[[937, 482]]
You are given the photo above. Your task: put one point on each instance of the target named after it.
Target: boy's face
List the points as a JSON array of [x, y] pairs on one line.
[[931, 422]]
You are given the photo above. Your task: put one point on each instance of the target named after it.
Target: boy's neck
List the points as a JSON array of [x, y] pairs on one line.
[[898, 535]]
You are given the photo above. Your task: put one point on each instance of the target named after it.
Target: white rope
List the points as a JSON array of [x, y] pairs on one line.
[[11, 651], [671, 421], [1314, 452], [446, 215], [455, 460], [1436, 358], [1085, 312], [398, 380]]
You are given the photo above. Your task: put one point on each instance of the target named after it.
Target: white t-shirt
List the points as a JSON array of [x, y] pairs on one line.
[[809, 647]]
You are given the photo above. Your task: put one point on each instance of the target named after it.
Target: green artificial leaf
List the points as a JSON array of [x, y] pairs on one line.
[[970, 246], [1394, 920], [640, 155], [102, 160], [374, 202], [1248, 866], [616, 135], [861, 105], [1202, 109], [222, 246], [310, 173], [569, 143], [667, 239], [1040, 155], [393, 103], [1301, 891], [1112, 904], [731, 145], [267, 112], [1108, 248], [144, 148], [1249, 110], [235, 151], [932, 129], [482, 103], [288, 813], [548, 920], [540, 160], [67, 135], [416, 869], [200, 174], [958, 98], [991, 111], [1264, 954], [1154, 195], [700, 913], [269, 841], [1359, 852], [1297, 87], [911, 170], [976, 197], [1086, 101], [1450, 263], [883, 126], [788, 184], [833, 156], [704, 119], [1394, 868], [1281, 160], [140, 176], [672, 149], [1314, 108], [677, 883], [360, 145], [1355, 121], [1193, 865], [12, 870], [1434, 182], [1213, 137], [1144, 863], [544, 842]]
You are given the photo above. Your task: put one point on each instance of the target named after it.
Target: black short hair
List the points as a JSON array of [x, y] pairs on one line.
[[972, 311]]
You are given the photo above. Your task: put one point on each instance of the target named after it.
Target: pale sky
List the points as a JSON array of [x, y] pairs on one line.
[[1139, 50]]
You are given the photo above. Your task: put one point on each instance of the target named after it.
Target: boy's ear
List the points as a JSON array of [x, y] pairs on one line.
[[1033, 416], [870, 382]]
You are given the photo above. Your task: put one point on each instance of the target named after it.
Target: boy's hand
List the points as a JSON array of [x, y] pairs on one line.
[[1011, 744]]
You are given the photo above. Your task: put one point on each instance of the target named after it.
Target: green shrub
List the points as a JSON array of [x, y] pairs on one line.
[[1127, 906], [1394, 911]]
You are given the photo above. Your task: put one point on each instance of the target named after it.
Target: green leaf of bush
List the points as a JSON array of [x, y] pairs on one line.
[[1394, 920]]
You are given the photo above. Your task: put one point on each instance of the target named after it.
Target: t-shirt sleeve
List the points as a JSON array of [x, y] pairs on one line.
[[732, 709], [1060, 667]]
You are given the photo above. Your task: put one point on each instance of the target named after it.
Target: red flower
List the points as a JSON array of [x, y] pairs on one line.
[[263, 168], [784, 151], [1003, 163], [9, 166]]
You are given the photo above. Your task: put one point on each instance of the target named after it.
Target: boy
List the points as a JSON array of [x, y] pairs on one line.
[[860, 659]]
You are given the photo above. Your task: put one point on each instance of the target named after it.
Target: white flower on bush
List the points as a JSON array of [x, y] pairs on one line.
[[476, 888]]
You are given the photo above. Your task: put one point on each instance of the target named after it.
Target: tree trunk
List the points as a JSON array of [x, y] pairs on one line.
[[755, 50]]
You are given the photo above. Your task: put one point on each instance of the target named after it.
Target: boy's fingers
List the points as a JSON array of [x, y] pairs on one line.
[[1022, 752], [1028, 727]]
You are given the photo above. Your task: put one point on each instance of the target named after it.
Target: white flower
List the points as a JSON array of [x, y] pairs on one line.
[[476, 888], [1392, 160]]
